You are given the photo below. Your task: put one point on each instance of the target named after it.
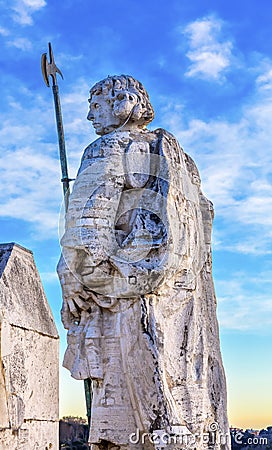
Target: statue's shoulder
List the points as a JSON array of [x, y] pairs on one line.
[[169, 139], [174, 148], [92, 150], [90, 154], [169, 146], [162, 133]]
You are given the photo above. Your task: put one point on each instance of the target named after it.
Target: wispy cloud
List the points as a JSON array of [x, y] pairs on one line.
[[30, 187], [28, 180], [209, 51], [235, 162], [264, 81], [49, 277], [245, 303], [20, 43], [4, 31], [22, 10]]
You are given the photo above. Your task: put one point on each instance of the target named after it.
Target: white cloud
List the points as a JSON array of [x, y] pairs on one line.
[[49, 277], [253, 245], [243, 303], [210, 54], [21, 43], [30, 187], [24, 9], [4, 31], [256, 210], [29, 184], [264, 81], [35, 4]]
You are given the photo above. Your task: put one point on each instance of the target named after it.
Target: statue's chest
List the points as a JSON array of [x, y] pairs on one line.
[[119, 144], [123, 152], [106, 147]]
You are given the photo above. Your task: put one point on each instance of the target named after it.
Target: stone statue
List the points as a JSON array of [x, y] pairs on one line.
[[138, 296]]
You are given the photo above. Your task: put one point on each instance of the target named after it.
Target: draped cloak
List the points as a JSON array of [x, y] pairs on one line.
[[138, 238]]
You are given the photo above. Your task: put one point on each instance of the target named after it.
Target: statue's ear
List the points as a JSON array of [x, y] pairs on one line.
[[124, 103], [137, 111]]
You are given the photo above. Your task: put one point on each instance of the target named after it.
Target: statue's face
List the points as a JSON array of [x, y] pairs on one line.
[[101, 115]]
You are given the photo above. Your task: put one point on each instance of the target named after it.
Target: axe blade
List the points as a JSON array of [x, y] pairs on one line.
[[44, 72], [49, 68]]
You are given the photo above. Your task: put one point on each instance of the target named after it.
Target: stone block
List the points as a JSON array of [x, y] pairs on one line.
[[29, 353]]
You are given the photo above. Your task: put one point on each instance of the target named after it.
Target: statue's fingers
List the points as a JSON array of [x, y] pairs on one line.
[[84, 294], [72, 307], [81, 303]]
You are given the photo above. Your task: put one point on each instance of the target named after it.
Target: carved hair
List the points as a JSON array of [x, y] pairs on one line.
[[117, 87]]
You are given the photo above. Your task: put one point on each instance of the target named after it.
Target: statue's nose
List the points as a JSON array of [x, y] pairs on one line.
[[90, 116]]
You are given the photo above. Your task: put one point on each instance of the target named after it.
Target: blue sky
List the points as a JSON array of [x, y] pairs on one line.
[[207, 66]]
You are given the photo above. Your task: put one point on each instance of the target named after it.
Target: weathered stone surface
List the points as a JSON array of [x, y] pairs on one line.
[[20, 276], [139, 301], [31, 436], [29, 356]]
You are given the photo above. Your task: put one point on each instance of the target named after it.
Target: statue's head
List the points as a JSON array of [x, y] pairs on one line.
[[119, 100]]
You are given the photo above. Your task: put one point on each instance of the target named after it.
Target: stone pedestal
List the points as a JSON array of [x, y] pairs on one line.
[[29, 354]]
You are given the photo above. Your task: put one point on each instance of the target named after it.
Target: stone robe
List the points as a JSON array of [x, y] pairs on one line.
[[138, 238]]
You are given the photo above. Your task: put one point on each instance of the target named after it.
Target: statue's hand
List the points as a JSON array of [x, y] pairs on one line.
[[75, 300]]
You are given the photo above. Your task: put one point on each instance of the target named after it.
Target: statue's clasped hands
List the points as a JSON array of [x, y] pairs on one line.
[[76, 299]]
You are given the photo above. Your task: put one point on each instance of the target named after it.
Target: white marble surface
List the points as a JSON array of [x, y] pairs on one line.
[[136, 273]]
